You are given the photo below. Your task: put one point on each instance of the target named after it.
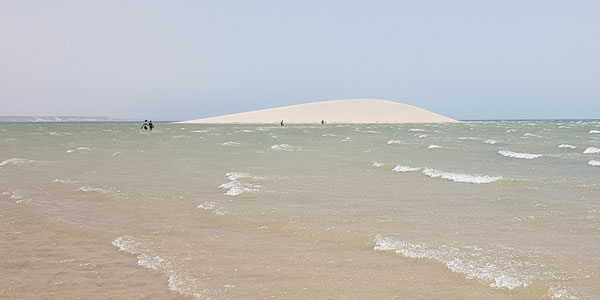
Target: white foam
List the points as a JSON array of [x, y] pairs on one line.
[[400, 168], [532, 135], [151, 262], [393, 142], [588, 150], [417, 130], [511, 130], [518, 155], [561, 292], [594, 131], [199, 131], [83, 148], [88, 188], [458, 177], [378, 164], [116, 153], [329, 134], [595, 163], [70, 151], [567, 146], [433, 146], [53, 133], [468, 138], [126, 244], [239, 175], [230, 143], [65, 181], [283, 147], [16, 161], [491, 142], [466, 260], [236, 187]]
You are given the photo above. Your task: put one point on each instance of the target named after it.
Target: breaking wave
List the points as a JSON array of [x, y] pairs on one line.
[[467, 260], [230, 143], [594, 131], [88, 188], [594, 163], [588, 150], [433, 146], [491, 142], [518, 155], [567, 146], [235, 187], [283, 147], [377, 164], [16, 161], [394, 142], [458, 177], [400, 168]]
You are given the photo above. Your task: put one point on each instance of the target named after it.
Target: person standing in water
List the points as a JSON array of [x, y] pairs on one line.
[[281, 123], [150, 125], [145, 126]]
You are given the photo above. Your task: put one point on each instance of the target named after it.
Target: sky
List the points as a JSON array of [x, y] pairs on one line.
[[179, 60]]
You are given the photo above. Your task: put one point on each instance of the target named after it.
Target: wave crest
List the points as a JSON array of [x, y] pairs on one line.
[[458, 177], [519, 155]]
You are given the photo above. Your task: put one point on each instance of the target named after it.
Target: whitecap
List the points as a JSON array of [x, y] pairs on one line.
[[200, 131], [329, 134], [70, 151], [532, 135], [394, 142], [468, 138], [116, 153], [83, 148], [417, 129], [230, 143], [491, 142], [433, 146], [594, 131], [588, 150], [400, 168], [567, 146], [65, 181], [421, 135], [594, 163], [88, 188], [16, 161], [511, 130], [283, 147], [378, 164], [466, 260], [458, 177], [235, 187], [519, 155], [53, 133]]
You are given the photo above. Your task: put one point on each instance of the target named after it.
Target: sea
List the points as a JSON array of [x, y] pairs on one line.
[[472, 210]]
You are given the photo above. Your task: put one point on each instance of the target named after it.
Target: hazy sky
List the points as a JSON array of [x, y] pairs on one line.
[[175, 60]]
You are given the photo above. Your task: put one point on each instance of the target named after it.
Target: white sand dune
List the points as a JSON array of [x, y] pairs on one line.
[[352, 111]]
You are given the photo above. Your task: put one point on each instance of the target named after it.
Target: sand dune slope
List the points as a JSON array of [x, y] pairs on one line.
[[352, 111]]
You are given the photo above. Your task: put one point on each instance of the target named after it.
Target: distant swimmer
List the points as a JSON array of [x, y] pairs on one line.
[[322, 122], [281, 123], [150, 125], [145, 126]]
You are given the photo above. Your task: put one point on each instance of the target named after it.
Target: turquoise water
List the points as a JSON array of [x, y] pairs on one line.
[[507, 209]]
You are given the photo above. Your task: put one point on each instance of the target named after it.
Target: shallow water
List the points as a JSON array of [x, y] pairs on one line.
[[495, 210]]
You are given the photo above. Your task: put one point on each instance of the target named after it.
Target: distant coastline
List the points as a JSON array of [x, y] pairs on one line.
[[349, 111]]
